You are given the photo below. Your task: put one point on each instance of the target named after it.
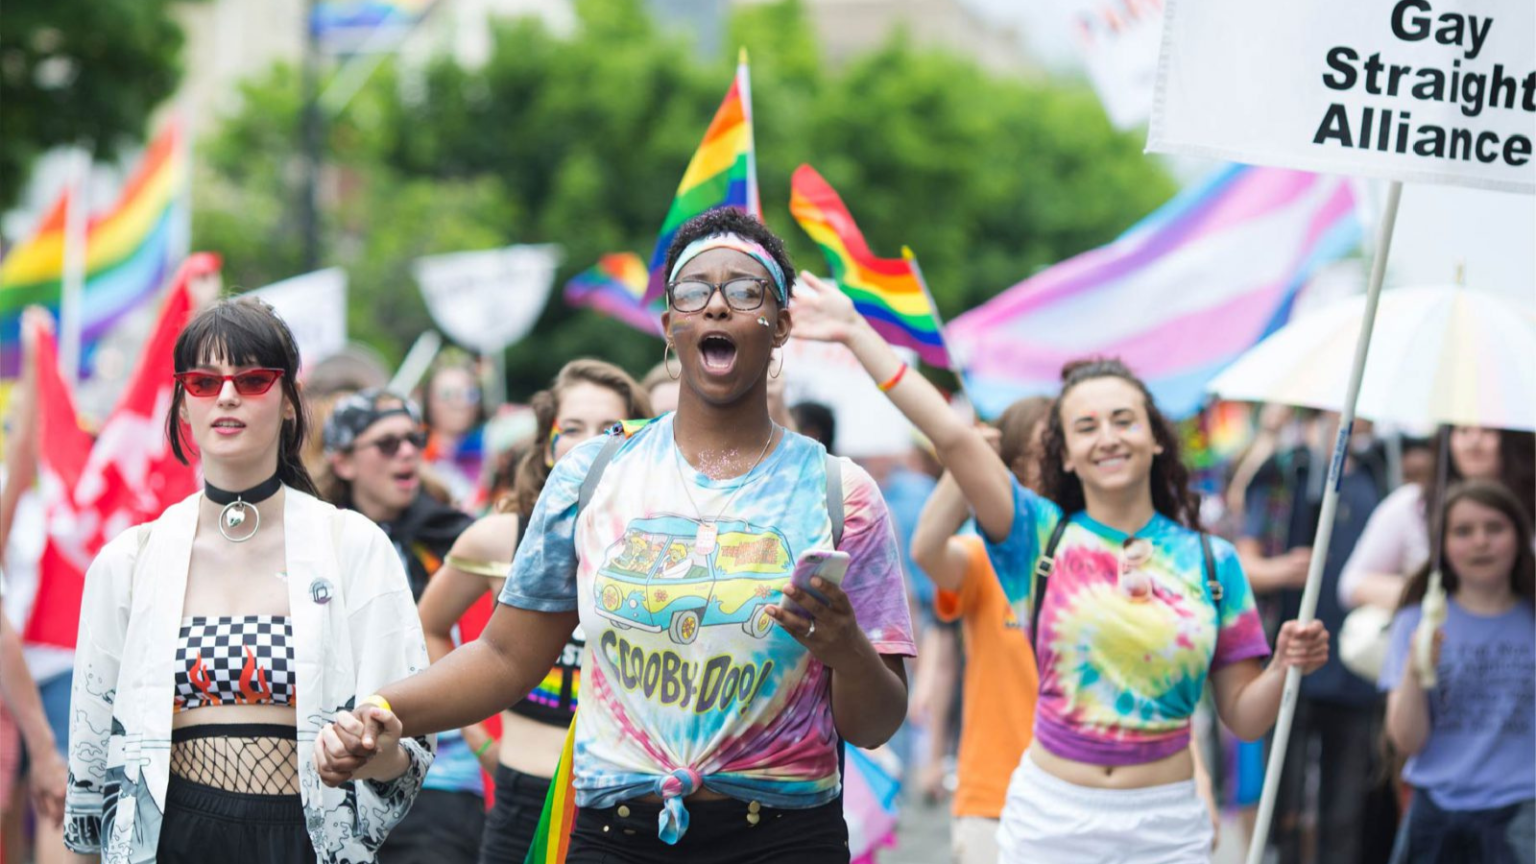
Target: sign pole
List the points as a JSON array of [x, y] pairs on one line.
[[1275, 764]]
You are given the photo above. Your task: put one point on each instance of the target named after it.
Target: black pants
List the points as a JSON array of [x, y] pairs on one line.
[[203, 823], [719, 832], [1336, 751], [1499, 835], [441, 828], [514, 818]]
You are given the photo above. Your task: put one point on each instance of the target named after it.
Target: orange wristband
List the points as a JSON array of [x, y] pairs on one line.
[[895, 379]]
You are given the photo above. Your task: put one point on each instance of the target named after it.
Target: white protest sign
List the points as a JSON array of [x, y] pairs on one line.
[[867, 423], [315, 308], [1119, 40], [1434, 91], [488, 300]]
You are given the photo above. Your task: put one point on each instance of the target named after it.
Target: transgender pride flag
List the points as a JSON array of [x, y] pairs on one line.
[[1177, 297]]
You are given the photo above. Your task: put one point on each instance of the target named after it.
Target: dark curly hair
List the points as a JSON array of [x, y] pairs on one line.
[[729, 220], [1171, 495]]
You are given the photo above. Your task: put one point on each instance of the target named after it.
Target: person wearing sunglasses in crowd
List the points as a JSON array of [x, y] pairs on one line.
[[587, 398], [707, 731], [216, 638], [1137, 608], [454, 417], [374, 442]]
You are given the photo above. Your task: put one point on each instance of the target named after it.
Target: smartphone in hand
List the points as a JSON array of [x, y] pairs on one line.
[[826, 563]]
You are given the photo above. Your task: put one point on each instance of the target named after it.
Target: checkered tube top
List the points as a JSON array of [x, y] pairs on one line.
[[235, 661]]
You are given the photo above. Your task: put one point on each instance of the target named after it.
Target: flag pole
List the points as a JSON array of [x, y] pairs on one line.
[[73, 286], [954, 361], [1275, 764]]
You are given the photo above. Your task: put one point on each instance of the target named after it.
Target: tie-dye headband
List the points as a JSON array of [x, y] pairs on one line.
[[742, 245]]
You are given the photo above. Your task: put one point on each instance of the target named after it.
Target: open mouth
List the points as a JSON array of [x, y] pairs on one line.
[[718, 353], [1113, 462], [228, 427], [405, 479]]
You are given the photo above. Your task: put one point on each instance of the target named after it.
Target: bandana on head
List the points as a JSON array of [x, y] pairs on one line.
[[742, 245], [354, 414]]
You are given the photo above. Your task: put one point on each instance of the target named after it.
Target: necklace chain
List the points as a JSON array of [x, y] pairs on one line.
[[699, 511]]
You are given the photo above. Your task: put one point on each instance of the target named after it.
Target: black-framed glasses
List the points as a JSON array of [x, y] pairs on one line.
[[389, 445], [744, 293]]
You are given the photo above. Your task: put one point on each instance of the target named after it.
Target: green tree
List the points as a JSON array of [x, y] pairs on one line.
[[581, 141], [86, 72]]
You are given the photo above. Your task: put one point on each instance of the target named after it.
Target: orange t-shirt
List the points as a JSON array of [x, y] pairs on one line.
[[1001, 684]]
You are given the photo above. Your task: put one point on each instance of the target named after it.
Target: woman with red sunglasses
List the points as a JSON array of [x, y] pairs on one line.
[[242, 620]]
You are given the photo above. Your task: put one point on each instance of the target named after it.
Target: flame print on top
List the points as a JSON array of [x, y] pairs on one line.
[[234, 661]]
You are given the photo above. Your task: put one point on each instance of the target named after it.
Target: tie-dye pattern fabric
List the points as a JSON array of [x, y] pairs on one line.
[[686, 680], [1121, 671]]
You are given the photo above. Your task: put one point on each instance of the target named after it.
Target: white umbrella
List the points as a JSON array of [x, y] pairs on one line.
[[1439, 355]]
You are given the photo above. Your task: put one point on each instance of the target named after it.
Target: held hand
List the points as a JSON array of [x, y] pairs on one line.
[[1304, 646], [35, 321], [828, 630], [821, 312], [49, 781], [344, 747]]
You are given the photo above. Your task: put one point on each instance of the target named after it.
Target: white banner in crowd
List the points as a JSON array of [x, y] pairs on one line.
[[1430, 91], [867, 423], [488, 300], [1119, 40], [315, 308]]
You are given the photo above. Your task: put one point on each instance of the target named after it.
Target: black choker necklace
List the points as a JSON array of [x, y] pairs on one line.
[[238, 504]]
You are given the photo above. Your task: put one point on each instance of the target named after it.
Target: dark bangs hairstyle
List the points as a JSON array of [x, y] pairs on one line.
[[1495, 496], [1171, 495], [535, 468], [245, 331], [729, 220]]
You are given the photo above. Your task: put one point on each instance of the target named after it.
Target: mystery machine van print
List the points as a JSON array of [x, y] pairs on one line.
[[653, 579]]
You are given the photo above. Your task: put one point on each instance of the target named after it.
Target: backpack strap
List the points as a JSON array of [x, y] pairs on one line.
[[1210, 573], [616, 439], [835, 498], [1041, 578]]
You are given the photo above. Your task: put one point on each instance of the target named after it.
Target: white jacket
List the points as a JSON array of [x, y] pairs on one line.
[[355, 629]]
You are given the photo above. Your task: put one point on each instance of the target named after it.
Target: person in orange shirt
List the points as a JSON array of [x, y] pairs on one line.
[[998, 715]]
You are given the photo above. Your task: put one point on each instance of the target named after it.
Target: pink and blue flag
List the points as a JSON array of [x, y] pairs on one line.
[[1178, 296]]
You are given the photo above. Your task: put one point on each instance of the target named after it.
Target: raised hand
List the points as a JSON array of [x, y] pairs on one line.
[[821, 312]]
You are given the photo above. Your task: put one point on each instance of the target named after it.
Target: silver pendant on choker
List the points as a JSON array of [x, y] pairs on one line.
[[233, 516]]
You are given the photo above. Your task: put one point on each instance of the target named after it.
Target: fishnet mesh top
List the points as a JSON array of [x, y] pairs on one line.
[[253, 758]]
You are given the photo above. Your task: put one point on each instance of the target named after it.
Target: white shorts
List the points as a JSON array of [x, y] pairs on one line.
[[1048, 819]]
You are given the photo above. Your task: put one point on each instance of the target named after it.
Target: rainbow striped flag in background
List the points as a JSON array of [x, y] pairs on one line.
[[615, 286], [887, 292], [1178, 296], [722, 173], [128, 253]]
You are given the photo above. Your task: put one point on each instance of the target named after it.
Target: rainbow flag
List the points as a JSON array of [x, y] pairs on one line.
[[615, 286], [552, 839], [1178, 296], [723, 173], [889, 293], [128, 253]]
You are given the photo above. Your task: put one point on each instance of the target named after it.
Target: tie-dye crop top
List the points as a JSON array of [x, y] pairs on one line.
[[235, 661], [1129, 630]]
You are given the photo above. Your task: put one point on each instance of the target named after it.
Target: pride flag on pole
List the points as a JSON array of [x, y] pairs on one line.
[[615, 286], [128, 252], [1177, 297], [723, 173], [888, 292]]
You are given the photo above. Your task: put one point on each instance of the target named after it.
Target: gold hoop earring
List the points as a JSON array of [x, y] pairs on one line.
[[666, 356], [772, 372]]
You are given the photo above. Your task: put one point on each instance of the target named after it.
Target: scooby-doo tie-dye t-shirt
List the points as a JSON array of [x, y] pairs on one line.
[[687, 681], [1129, 629]]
